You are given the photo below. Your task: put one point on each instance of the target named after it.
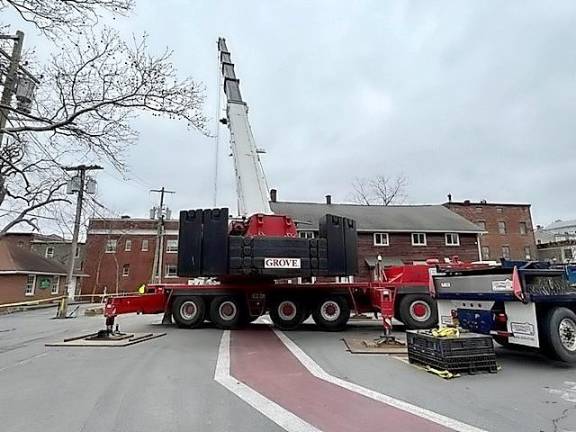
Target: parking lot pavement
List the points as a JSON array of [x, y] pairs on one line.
[[165, 384], [529, 393], [168, 383]]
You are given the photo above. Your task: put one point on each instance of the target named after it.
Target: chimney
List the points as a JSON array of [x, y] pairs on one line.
[[328, 199], [273, 195], [449, 197]]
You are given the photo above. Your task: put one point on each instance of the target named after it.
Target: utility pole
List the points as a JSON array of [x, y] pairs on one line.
[[81, 169], [10, 80], [157, 267]]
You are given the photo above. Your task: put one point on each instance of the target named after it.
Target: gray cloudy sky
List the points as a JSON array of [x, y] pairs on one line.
[[475, 98]]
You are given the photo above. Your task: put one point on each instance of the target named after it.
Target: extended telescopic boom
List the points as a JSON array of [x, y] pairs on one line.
[[251, 185]]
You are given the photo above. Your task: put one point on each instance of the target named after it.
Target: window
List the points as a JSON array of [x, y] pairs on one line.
[[527, 252], [125, 270], [127, 245], [306, 234], [485, 253], [381, 239], [506, 252], [77, 254], [522, 228], [144, 245], [111, 245], [478, 209], [50, 252], [30, 284], [481, 224], [55, 285], [452, 239], [568, 255], [499, 209], [171, 271], [172, 246], [502, 227], [418, 239]]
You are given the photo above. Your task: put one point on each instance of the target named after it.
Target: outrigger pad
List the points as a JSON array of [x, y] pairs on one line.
[[113, 340]]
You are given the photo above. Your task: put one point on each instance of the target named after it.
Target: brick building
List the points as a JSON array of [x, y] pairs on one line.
[[30, 263], [508, 231], [120, 252], [399, 234], [26, 275]]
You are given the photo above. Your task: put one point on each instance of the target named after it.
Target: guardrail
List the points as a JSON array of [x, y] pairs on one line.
[[91, 298]]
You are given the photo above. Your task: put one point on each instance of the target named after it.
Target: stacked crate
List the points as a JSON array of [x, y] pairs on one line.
[[467, 352]]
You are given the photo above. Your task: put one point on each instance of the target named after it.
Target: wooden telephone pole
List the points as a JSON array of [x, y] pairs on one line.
[[81, 169], [159, 253]]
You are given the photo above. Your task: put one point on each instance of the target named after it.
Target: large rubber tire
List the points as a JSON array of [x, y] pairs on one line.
[[418, 311], [332, 313], [226, 312], [189, 311], [559, 334], [287, 313]]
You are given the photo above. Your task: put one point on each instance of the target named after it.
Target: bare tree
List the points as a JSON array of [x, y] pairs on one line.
[[92, 89], [28, 185], [54, 16], [380, 190]]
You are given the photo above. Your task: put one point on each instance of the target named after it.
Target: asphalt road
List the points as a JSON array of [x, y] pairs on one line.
[[167, 384]]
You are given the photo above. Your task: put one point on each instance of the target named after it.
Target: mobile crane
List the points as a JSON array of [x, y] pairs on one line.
[[252, 260]]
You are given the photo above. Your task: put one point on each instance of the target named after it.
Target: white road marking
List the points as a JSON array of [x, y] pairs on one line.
[[283, 418], [318, 372]]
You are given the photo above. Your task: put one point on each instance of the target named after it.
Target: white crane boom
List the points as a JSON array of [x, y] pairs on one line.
[[251, 185]]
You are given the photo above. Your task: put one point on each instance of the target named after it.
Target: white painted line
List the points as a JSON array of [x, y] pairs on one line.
[[283, 418], [315, 369]]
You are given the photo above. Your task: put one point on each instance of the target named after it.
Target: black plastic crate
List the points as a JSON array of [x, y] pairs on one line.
[[468, 352], [450, 346], [468, 364]]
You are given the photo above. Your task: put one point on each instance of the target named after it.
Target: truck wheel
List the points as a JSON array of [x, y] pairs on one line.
[[189, 311], [287, 313], [226, 312], [332, 313], [418, 311], [559, 333]]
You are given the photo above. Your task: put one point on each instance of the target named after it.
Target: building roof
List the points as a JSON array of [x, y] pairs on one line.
[[560, 224], [485, 204], [19, 260], [404, 218]]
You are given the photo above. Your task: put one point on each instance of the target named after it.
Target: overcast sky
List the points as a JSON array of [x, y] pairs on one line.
[[473, 98]]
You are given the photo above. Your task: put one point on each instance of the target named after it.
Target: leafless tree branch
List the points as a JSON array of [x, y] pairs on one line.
[[54, 16], [380, 190]]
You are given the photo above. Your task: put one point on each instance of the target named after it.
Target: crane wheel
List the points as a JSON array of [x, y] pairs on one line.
[[332, 313], [287, 313], [226, 312], [189, 311], [418, 311]]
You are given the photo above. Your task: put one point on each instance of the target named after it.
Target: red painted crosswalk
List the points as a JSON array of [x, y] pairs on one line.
[[260, 360]]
